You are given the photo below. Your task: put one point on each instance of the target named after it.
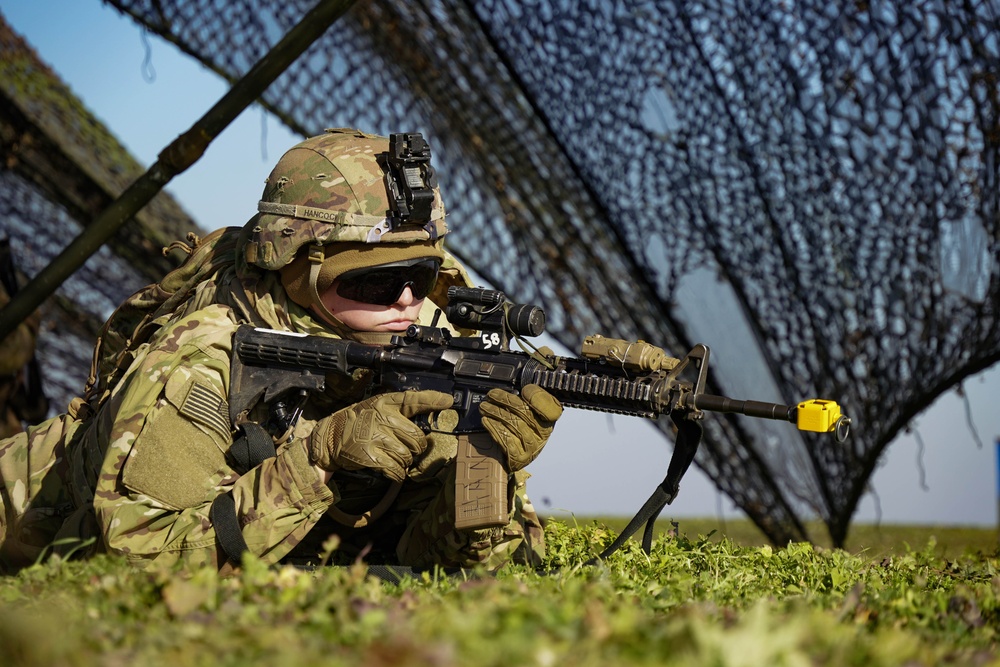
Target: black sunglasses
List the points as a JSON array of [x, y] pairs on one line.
[[383, 284]]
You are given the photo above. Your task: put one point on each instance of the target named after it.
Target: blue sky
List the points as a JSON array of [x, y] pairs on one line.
[[594, 464]]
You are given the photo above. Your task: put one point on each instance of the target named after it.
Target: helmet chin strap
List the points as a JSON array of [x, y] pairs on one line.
[[316, 258]]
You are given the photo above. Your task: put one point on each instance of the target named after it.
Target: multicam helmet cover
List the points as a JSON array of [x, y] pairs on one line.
[[335, 188]]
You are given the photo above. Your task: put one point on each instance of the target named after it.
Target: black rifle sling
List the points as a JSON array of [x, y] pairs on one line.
[[685, 448], [249, 450], [228, 533], [647, 514]]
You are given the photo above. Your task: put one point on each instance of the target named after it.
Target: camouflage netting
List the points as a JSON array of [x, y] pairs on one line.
[[818, 180], [824, 178]]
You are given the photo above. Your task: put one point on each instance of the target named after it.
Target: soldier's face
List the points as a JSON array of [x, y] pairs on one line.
[[360, 316]]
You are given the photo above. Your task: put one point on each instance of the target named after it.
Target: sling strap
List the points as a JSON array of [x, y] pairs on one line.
[[251, 448], [685, 447], [228, 533]]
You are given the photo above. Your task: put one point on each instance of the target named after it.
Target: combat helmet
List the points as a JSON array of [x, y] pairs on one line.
[[345, 200]]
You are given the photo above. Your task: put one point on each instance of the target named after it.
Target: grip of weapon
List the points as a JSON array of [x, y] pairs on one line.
[[480, 483]]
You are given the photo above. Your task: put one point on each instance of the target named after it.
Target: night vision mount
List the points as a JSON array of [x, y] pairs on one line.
[[409, 177]]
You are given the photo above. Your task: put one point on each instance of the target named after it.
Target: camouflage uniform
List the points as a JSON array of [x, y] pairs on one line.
[[140, 475]]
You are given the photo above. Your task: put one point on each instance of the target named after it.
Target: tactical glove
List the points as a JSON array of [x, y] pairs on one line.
[[442, 448], [375, 433], [521, 425]]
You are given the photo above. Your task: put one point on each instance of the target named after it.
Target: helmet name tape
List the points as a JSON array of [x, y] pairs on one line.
[[306, 212]]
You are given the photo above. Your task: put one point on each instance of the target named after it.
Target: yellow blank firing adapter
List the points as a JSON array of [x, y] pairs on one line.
[[822, 416]]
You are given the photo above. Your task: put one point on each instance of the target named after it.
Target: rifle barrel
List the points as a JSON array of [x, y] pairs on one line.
[[760, 409]]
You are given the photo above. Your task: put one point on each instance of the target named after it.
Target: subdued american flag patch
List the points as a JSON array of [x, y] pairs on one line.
[[204, 406]]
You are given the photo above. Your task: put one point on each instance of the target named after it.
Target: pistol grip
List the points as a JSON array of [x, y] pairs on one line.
[[480, 483]]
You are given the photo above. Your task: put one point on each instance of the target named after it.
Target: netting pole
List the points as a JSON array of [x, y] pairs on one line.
[[178, 156]]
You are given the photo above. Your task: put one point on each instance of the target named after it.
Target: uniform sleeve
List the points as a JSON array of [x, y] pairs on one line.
[[165, 464]]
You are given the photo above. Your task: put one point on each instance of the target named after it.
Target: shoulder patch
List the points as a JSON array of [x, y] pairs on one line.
[[202, 405]]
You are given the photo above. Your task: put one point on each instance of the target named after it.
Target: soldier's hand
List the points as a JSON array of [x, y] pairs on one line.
[[375, 433], [521, 425]]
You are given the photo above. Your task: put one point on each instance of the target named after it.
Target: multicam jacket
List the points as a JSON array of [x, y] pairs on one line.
[[141, 474]]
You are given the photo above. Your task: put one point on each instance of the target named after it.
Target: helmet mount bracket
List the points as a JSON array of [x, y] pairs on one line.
[[410, 179]]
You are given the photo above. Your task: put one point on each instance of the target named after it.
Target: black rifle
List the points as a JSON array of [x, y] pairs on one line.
[[611, 375]]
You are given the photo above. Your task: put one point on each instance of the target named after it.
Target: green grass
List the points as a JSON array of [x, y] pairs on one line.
[[692, 601], [872, 539]]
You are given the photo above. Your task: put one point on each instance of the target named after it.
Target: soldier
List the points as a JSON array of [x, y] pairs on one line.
[[344, 245]]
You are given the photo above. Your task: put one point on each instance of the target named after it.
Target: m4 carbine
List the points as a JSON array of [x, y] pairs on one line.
[[611, 375]]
